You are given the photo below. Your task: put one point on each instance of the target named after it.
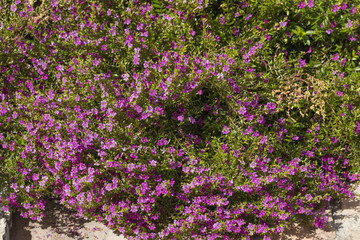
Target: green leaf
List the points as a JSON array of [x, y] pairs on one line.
[[310, 32]]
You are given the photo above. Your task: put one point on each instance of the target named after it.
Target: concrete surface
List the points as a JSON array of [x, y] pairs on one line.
[[59, 224]]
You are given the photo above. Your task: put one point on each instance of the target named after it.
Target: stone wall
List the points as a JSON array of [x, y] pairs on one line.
[[5, 224]]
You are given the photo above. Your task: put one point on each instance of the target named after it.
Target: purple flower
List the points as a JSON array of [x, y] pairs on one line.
[[343, 61], [242, 110], [301, 4], [283, 24], [96, 62], [341, 75], [308, 197], [54, 3], [349, 23], [112, 31], [136, 59], [248, 16], [216, 226], [302, 63], [353, 10], [294, 137], [35, 177], [225, 130], [13, 8], [66, 189], [192, 120], [180, 118], [127, 21], [250, 69], [271, 106], [335, 57], [253, 164], [352, 38], [357, 127], [335, 8], [263, 139], [343, 6], [236, 31], [222, 20], [310, 3]]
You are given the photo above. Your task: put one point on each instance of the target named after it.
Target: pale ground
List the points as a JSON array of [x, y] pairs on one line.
[[344, 224], [59, 224]]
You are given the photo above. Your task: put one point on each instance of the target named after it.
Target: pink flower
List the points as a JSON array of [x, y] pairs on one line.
[[127, 21], [352, 38], [96, 62], [263, 139], [301, 4], [283, 24], [335, 57], [295, 138], [192, 120], [310, 3], [66, 189], [35, 177], [13, 8], [226, 68], [225, 130], [349, 23], [335, 8], [180, 118], [343, 6], [353, 10], [308, 197]]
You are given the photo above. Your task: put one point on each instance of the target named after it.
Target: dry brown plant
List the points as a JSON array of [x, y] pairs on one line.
[[303, 91]]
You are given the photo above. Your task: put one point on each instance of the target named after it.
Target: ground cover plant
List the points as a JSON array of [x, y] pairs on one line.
[[175, 119]]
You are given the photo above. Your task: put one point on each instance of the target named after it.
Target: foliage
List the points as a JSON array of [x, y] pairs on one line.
[[172, 119]]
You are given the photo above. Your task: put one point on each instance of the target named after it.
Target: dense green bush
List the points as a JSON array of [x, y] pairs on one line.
[[174, 119]]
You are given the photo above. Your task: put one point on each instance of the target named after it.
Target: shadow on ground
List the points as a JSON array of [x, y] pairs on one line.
[[58, 219]]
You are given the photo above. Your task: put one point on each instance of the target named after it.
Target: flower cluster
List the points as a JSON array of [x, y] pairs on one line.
[[179, 119]]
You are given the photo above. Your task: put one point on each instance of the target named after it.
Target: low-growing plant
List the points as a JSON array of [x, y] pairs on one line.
[[180, 119]]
